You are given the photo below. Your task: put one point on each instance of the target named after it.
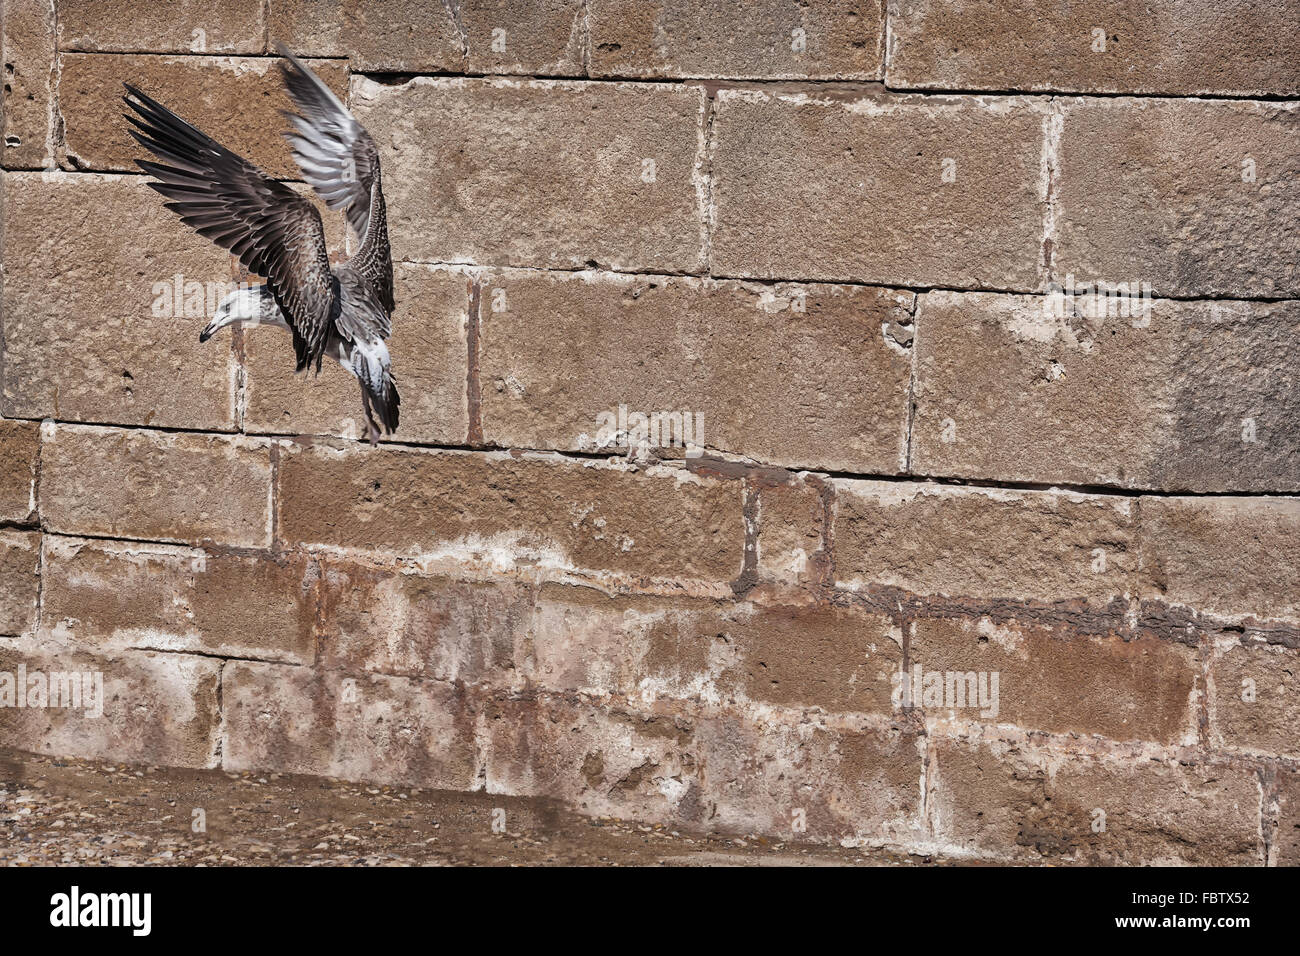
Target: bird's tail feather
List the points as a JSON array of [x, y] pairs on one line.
[[382, 400], [386, 402]]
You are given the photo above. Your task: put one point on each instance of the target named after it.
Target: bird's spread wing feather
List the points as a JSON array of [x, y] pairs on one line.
[[362, 317], [373, 260], [275, 232], [339, 159]]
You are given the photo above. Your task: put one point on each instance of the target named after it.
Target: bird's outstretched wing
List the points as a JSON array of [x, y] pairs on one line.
[[274, 231], [339, 159]]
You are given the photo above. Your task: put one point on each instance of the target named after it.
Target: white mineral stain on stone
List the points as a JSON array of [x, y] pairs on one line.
[[1039, 324], [504, 551], [1008, 638], [238, 65], [794, 562]]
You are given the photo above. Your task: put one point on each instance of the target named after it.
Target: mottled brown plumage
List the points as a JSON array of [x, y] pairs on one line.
[[343, 311], [339, 159]]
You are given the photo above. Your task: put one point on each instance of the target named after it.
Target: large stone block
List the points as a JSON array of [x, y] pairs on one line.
[[29, 119], [137, 707], [539, 173], [20, 581], [1055, 678], [1008, 802], [1255, 704], [544, 37], [390, 729], [916, 191], [413, 625], [514, 511], [156, 486], [983, 544], [163, 26], [1172, 192], [1139, 393], [1238, 49], [99, 283], [20, 451], [771, 39], [838, 659], [235, 100], [113, 595], [809, 376], [403, 36], [1231, 558]]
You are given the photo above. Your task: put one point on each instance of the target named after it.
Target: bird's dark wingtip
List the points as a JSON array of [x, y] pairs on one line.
[[388, 407], [286, 55], [136, 97]]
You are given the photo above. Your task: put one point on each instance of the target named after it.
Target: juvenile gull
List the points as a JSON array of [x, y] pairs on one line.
[[343, 311]]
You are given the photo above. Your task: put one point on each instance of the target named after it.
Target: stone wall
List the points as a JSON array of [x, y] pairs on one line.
[[853, 243]]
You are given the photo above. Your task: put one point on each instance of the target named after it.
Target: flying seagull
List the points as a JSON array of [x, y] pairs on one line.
[[343, 311]]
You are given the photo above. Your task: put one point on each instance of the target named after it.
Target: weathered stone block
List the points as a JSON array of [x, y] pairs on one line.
[[772, 39], [237, 101], [99, 280], [163, 26], [1171, 192], [507, 510], [1227, 557], [163, 487], [159, 709], [20, 581], [1255, 705], [113, 595], [838, 659], [841, 785], [539, 173], [792, 526], [807, 376], [539, 38], [29, 119], [412, 625], [301, 720], [1240, 49], [20, 451], [977, 543], [1055, 678], [1104, 390], [404, 36], [1008, 802], [892, 190]]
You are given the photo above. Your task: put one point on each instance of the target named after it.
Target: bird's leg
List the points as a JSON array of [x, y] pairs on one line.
[[372, 431]]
